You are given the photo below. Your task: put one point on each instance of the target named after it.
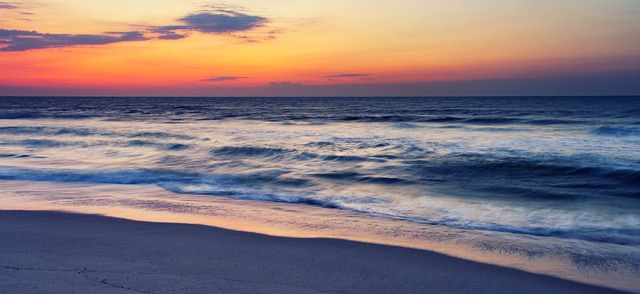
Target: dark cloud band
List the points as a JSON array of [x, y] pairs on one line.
[[348, 75], [17, 40], [222, 79]]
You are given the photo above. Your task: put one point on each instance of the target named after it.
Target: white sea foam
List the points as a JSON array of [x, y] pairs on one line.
[[568, 171]]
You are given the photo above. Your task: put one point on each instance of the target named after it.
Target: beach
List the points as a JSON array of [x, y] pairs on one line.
[[54, 252]]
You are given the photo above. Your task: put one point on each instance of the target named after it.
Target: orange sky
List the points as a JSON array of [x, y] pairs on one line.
[[206, 47]]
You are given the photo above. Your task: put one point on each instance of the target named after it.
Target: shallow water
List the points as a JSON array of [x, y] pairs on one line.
[[548, 168]]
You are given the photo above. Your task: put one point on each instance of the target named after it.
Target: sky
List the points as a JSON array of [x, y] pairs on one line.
[[319, 48]]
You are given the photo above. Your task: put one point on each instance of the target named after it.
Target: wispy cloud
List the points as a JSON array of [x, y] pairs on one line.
[[16, 8], [221, 20], [170, 35], [285, 84], [222, 79], [8, 5], [347, 75], [16, 40]]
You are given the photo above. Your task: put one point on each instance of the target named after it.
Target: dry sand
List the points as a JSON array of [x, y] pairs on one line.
[[53, 252]]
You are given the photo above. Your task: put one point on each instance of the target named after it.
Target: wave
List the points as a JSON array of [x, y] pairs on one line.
[[407, 126], [320, 144], [159, 135], [616, 131], [281, 154], [9, 155], [47, 131], [446, 119], [86, 132], [500, 129], [339, 175], [594, 234], [132, 176], [358, 177], [38, 143], [160, 146], [381, 118], [493, 120], [39, 115], [242, 186], [521, 178], [162, 177], [50, 131], [22, 130], [350, 158], [543, 122], [404, 121], [256, 186], [20, 115], [503, 121], [249, 151]]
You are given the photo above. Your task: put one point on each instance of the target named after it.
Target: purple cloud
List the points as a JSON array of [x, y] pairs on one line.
[[221, 21], [230, 21], [17, 40], [347, 75], [222, 79], [170, 35], [8, 5]]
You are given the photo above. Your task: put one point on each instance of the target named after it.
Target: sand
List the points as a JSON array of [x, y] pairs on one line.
[[54, 252]]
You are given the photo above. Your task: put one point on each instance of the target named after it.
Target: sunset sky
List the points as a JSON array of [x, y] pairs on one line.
[[329, 47]]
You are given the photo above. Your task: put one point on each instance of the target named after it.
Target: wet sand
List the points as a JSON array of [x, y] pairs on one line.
[[74, 253]]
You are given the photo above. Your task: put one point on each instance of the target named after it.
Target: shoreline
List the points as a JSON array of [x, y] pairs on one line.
[[69, 252], [594, 264]]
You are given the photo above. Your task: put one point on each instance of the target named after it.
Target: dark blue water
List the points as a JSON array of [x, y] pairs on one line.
[[566, 167], [462, 110]]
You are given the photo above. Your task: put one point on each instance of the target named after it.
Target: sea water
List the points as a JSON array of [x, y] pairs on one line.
[[560, 171]]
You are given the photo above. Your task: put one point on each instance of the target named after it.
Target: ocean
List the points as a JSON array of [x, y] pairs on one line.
[[561, 171]]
